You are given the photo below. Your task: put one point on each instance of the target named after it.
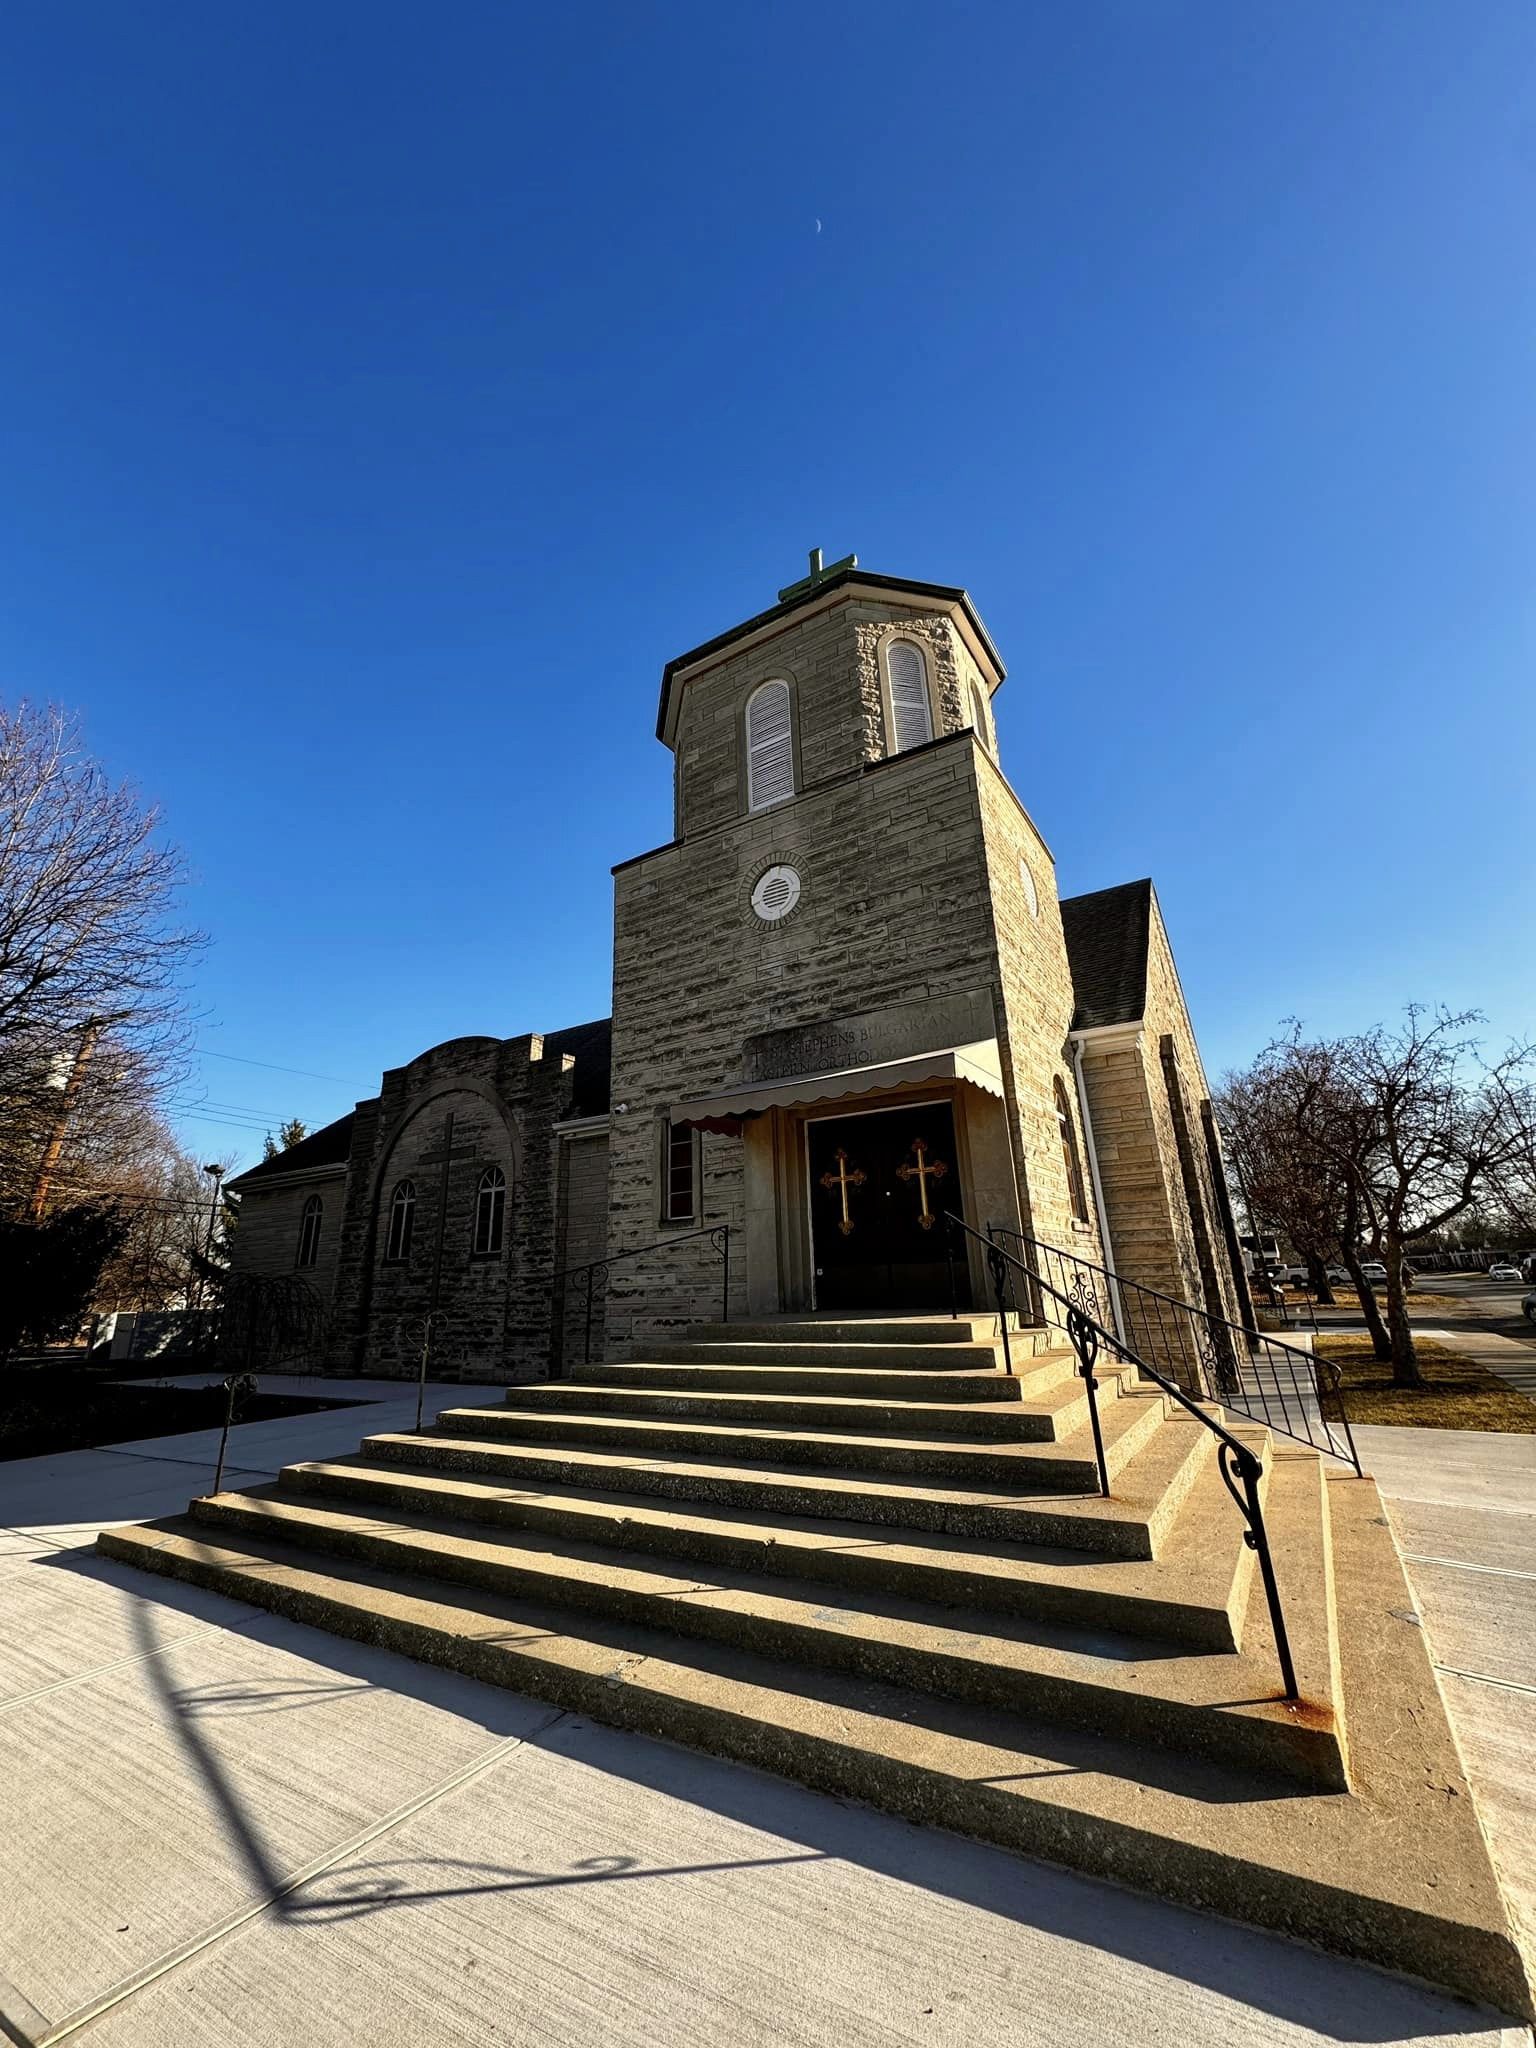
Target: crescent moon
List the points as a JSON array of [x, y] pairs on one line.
[[818, 227]]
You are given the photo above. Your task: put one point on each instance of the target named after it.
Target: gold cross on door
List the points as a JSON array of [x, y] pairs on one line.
[[922, 1173], [842, 1181]]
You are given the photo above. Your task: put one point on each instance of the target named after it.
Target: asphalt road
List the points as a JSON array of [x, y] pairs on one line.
[[1495, 1303]]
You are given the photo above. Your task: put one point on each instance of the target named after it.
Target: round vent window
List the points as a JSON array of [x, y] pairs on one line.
[[1031, 894], [775, 893]]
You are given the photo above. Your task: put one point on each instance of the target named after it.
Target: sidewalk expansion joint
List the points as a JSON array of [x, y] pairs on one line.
[[105, 2001], [1486, 1678], [1457, 1564]]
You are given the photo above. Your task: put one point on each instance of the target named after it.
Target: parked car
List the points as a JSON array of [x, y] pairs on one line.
[[1374, 1271], [1505, 1273], [1295, 1276], [1337, 1276], [1529, 1305]]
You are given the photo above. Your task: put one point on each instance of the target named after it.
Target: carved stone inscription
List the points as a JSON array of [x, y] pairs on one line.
[[869, 1039]]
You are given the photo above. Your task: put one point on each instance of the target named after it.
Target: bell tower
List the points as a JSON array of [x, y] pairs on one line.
[[848, 668], [841, 996]]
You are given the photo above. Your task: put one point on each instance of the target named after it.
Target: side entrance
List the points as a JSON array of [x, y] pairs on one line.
[[879, 1185]]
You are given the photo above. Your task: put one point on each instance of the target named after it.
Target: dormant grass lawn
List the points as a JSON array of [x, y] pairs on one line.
[[1459, 1394]]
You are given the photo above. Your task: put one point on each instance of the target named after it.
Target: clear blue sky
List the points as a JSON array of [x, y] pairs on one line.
[[388, 391]]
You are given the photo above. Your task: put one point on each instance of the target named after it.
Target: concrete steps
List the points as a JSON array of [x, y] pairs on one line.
[[869, 1442], [939, 1378], [1146, 1500], [1005, 1414], [859, 1554], [1399, 1877], [1198, 1600]]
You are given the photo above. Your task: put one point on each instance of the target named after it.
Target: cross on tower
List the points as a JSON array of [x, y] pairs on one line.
[[818, 574]]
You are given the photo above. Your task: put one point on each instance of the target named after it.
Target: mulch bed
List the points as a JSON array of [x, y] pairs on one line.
[[61, 1410]]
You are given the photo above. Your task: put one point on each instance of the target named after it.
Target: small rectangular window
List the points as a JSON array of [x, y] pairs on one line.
[[678, 1196]]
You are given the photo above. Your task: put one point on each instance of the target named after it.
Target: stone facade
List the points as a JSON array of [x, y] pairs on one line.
[[927, 924]]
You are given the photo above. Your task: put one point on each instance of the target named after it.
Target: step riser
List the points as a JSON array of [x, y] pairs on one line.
[[961, 1383], [1015, 1468], [937, 1332], [1301, 1752], [1009, 1424], [1032, 1524], [373, 1490], [891, 1357], [1468, 1960]]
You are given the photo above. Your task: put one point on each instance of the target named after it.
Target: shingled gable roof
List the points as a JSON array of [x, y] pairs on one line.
[[331, 1146], [813, 593], [1107, 933]]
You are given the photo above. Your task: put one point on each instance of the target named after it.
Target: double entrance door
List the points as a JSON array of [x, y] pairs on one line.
[[880, 1184]]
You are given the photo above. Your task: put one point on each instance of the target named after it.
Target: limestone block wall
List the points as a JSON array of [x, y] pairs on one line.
[[1164, 1224], [581, 1227], [266, 1239], [504, 1098], [1037, 997], [831, 661], [895, 906]]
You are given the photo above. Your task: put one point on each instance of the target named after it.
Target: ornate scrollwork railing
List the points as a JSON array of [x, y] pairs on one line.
[[1241, 1468], [719, 1236], [1295, 1393]]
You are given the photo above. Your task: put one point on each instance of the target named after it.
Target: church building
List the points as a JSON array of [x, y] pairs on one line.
[[848, 1001]]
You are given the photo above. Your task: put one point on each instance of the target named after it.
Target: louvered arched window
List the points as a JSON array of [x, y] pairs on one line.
[[770, 746], [911, 713], [490, 1211], [309, 1231], [402, 1221]]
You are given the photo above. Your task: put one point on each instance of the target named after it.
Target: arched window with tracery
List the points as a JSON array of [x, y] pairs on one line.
[[1069, 1154], [490, 1212], [402, 1222], [911, 711], [309, 1231], [770, 746]]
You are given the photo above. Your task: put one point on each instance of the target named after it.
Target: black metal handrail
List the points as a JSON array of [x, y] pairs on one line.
[[1241, 1469], [1287, 1389], [719, 1235]]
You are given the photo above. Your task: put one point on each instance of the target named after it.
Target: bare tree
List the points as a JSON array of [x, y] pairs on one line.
[[1444, 1128], [1376, 1143], [90, 950], [1293, 1124]]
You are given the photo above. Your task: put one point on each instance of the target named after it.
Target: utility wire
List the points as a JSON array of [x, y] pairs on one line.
[[309, 1073]]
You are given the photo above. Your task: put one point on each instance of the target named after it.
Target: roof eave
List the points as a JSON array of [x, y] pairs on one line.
[[902, 586]]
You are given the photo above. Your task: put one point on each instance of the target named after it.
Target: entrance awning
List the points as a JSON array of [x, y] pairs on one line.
[[977, 1063]]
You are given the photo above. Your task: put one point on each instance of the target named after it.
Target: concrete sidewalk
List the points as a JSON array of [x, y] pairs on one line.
[[1510, 1357], [224, 1830]]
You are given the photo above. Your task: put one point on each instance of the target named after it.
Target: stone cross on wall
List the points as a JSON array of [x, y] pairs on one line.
[[443, 1155]]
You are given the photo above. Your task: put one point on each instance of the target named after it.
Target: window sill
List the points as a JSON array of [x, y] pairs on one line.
[[484, 1258], [1083, 1229]]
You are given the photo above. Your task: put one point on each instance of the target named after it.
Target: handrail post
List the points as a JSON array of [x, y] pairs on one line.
[[1257, 1539], [591, 1280], [996, 1262], [725, 1273], [1084, 1339]]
